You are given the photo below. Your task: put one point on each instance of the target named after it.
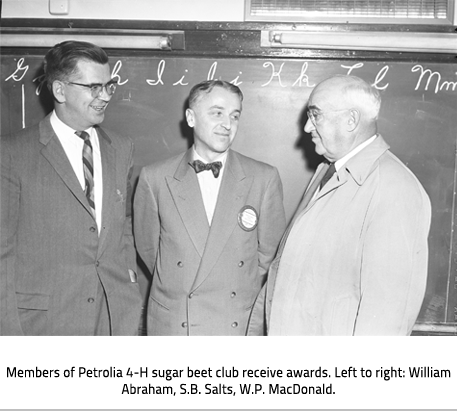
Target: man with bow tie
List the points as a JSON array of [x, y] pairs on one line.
[[207, 223]]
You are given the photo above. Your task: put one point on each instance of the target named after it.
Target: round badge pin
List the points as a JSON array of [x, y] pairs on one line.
[[248, 218]]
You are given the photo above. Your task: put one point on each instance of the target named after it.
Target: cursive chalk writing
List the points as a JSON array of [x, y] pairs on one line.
[[273, 73], [20, 71], [160, 69]]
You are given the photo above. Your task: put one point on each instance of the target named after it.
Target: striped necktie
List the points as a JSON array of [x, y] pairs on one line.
[[88, 166]]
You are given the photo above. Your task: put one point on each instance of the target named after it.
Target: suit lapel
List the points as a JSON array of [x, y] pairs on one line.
[[108, 156], [56, 156], [187, 197], [234, 190]]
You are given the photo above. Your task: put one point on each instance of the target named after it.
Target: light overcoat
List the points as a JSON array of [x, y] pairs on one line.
[[364, 253], [52, 259], [206, 279]]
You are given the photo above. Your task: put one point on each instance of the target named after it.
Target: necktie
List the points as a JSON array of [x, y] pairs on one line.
[[199, 166], [88, 166], [330, 172]]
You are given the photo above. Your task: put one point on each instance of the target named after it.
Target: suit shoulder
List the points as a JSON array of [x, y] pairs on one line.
[[165, 166], [255, 166], [21, 140], [397, 178]]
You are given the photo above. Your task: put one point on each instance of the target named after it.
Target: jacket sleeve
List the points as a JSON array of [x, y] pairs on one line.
[[146, 221], [9, 211], [394, 261], [272, 223]]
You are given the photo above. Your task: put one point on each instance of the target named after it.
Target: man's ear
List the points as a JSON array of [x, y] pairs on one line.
[[190, 117], [353, 120], [58, 90]]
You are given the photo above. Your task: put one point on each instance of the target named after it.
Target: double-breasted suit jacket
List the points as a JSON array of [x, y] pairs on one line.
[[53, 259], [206, 278]]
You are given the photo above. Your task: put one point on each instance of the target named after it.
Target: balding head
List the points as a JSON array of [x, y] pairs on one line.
[[342, 112], [352, 92]]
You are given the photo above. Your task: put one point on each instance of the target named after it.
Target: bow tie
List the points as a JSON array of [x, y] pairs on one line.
[[199, 166]]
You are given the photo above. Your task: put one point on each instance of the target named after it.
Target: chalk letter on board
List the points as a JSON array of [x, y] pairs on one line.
[[19, 67], [212, 71], [431, 74], [381, 74], [235, 81], [273, 73], [447, 84], [115, 75], [160, 69], [356, 66], [303, 77], [181, 81], [41, 81]]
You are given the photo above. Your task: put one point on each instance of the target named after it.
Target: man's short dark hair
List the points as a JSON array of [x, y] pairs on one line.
[[60, 61], [206, 87]]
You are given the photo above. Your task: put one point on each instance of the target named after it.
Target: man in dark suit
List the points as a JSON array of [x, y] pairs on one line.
[[67, 255], [207, 224]]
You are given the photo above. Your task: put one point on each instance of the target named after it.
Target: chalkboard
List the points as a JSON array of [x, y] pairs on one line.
[[418, 119]]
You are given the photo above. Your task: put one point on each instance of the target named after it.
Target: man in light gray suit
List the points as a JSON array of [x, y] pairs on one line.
[[67, 254], [207, 224]]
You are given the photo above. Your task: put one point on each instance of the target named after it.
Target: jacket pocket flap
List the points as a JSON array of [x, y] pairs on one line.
[[36, 301]]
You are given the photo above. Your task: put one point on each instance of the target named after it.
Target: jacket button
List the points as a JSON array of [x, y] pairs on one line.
[[92, 229], [241, 263], [91, 300], [191, 295], [235, 324], [184, 324], [180, 264], [97, 263], [233, 294]]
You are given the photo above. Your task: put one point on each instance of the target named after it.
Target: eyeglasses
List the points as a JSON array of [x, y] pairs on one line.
[[315, 115], [97, 89]]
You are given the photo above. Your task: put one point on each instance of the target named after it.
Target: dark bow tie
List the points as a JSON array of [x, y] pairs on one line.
[[199, 166]]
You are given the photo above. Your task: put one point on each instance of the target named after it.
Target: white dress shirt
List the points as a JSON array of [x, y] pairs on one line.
[[209, 185], [73, 146]]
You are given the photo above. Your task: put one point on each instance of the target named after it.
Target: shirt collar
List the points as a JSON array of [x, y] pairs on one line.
[[62, 129], [341, 162]]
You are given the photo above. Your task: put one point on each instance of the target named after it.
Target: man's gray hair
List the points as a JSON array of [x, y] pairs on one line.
[[363, 95]]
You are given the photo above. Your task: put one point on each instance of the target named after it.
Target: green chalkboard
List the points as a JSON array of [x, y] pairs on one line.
[[418, 119]]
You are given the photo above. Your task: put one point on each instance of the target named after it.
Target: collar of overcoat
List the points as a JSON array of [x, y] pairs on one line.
[[209, 241], [358, 167], [55, 154]]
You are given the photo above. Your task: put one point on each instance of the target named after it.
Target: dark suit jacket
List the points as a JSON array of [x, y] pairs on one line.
[[52, 258], [206, 279]]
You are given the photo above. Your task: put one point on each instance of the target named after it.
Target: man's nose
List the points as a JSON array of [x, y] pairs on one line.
[[104, 95], [227, 123], [309, 126]]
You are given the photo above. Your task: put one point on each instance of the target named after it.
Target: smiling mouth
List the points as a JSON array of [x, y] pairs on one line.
[[98, 108]]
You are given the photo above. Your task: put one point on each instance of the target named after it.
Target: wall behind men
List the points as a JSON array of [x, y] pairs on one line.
[[198, 10]]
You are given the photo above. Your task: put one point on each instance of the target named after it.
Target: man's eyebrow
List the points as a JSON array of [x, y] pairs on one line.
[[313, 107]]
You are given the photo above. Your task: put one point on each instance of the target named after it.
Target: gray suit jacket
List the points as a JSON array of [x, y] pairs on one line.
[[52, 259], [206, 279]]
